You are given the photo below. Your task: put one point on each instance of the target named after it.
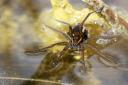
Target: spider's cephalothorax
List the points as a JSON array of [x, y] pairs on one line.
[[78, 34]]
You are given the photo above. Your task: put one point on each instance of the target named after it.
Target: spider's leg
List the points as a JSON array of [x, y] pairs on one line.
[[38, 51], [82, 23], [112, 60], [83, 59], [89, 65], [100, 60], [110, 36], [60, 56], [58, 31], [106, 37], [86, 64], [70, 27], [57, 62], [64, 23]]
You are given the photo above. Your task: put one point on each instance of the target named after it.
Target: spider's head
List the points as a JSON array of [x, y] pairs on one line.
[[78, 34]]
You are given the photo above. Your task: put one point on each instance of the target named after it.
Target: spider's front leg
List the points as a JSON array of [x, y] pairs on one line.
[[41, 50]]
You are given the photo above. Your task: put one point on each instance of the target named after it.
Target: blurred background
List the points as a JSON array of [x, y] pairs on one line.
[[17, 19]]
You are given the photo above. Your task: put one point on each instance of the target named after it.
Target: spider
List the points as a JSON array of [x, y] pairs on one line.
[[77, 37]]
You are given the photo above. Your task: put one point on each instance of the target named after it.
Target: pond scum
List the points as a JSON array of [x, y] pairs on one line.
[[61, 10]]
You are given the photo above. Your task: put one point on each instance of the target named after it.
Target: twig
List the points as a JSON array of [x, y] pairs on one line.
[[30, 79]]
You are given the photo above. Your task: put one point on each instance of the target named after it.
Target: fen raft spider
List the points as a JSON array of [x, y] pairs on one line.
[[77, 37]]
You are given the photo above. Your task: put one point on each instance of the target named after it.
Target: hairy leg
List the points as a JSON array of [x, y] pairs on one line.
[[83, 59], [38, 51], [86, 64], [58, 31], [82, 23], [57, 62], [106, 37], [70, 27], [113, 61]]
